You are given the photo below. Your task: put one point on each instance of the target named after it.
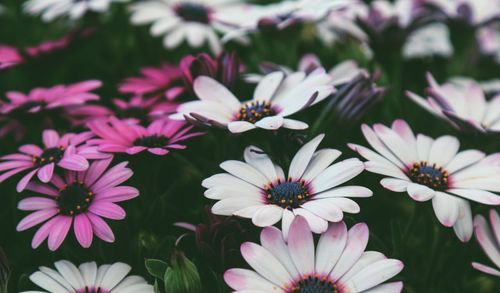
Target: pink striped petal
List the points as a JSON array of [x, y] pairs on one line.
[[50, 138], [36, 203], [43, 233], [25, 180], [83, 230], [35, 218], [101, 228], [42, 188], [74, 162], [45, 173], [135, 150], [95, 170], [108, 210], [11, 173], [59, 231], [158, 151], [31, 149], [117, 194]]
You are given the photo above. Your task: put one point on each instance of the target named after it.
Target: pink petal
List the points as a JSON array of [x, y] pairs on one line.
[[108, 210], [11, 173], [135, 150], [113, 177], [25, 180], [95, 170], [83, 230], [59, 231], [31, 149], [35, 218], [158, 151], [45, 173], [43, 232], [74, 163], [101, 229], [50, 138], [117, 194], [36, 203], [42, 188]]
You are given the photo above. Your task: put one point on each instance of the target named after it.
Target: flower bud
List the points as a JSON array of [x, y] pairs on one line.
[[182, 276]]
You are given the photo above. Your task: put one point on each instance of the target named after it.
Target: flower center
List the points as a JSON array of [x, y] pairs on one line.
[[74, 199], [50, 155], [195, 12], [429, 175], [288, 194], [314, 284], [153, 141], [255, 111]]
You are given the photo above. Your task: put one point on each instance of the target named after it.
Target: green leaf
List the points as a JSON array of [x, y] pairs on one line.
[[156, 268]]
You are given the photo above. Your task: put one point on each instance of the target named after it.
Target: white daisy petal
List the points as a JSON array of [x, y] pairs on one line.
[[303, 157], [446, 208], [267, 215], [337, 174], [357, 239], [330, 247], [301, 246]]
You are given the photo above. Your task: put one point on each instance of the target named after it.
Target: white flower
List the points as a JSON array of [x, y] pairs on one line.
[[337, 264], [430, 40], [196, 21], [51, 9], [258, 188], [463, 104], [281, 15], [89, 278], [275, 97], [343, 22], [489, 239], [481, 10], [402, 10], [433, 169], [489, 41]]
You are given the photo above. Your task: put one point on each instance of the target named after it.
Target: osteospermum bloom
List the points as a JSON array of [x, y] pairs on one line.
[[275, 97], [337, 264], [117, 136], [489, 239], [155, 81], [195, 21], [79, 199], [59, 96], [433, 169], [67, 152], [50, 9], [463, 105], [258, 189], [89, 278]]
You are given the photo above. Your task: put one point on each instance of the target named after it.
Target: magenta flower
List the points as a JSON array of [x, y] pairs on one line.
[[58, 96], [68, 152], [9, 57], [155, 81], [118, 136], [41, 106], [81, 200]]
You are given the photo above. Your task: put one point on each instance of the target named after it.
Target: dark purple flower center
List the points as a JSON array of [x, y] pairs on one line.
[[255, 111], [288, 194], [92, 290], [153, 141], [429, 175], [314, 284], [195, 12], [50, 155], [74, 199]]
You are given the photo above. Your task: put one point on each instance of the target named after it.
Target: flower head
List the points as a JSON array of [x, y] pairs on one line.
[[258, 189], [429, 40], [489, 239], [154, 82], [225, 68], [68, 152], [196, 21], [471, 12], [275, 97], [117, 136], [463, 105], [43, 106], [78, 199], [433, 169], [74, 9], [338, 263], [89, 278]]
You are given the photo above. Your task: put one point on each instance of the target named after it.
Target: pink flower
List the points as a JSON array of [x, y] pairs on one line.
[[68, 152], [9, 57], [155, 81], [79, 199], [58, 96], [41, 106], [118, 136], [488, 237]]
